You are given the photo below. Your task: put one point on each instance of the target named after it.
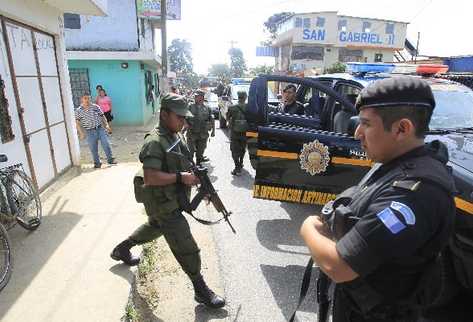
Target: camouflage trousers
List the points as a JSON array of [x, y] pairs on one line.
[[197, 145], [175, 229], [238, 148]]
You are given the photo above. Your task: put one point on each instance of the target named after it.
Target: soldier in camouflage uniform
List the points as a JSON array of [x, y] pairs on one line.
[[164, 177], [199, 126], [238, 126]]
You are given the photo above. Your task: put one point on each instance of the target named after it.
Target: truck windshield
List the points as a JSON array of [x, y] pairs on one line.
[[453, 107]]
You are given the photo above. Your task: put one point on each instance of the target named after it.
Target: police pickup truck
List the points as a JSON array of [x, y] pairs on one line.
[[310, 159]]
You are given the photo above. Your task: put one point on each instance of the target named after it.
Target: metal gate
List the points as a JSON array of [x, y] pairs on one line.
[[36, 83], [80, 84]]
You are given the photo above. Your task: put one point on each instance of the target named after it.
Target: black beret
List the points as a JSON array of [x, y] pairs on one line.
[[396, 91]]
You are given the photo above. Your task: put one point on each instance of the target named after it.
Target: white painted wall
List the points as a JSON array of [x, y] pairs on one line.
[[289, 35], [48, 19], [117, 31], [32, 13], [146, 38]]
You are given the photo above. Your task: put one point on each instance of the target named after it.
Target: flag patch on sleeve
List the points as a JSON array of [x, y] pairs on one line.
[[405, 211], [389, 219]]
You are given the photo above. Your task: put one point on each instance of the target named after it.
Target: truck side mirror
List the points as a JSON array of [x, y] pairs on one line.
[[279, 96], [353, 124]]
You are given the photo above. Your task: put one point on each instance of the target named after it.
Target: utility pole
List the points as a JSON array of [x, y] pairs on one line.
[[164, 47]]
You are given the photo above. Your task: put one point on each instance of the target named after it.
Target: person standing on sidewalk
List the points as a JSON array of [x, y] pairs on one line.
[[90, 118], [238, 126], [165, 175], [105, 104], [199, 126]]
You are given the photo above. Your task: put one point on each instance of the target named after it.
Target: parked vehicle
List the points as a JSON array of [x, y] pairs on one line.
[[310, 159], [230, 98], [276, 140], [211, 99]]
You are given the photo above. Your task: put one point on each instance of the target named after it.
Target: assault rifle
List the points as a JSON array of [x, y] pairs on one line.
[[204, 190]]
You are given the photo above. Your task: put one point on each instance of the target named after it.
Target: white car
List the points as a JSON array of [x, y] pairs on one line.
[[230, 98], [211, 100]]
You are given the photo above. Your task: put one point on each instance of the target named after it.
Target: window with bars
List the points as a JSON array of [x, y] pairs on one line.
[[390, 28], [350, 55], [6, 130], [298, 22], [320, 22], [366, 26], [80, 84]]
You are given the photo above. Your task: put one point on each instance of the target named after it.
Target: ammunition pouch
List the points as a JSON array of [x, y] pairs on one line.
[[240, 126], [138, 185], [337, 216]]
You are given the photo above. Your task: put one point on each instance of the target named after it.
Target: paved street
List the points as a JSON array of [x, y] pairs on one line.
[[262, 265], [63, 271]]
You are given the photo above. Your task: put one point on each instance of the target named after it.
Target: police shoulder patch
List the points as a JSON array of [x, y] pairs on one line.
[[389, 219], [405, 211]]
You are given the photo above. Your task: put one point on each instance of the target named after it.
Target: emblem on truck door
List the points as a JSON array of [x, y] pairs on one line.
[[314, 157]]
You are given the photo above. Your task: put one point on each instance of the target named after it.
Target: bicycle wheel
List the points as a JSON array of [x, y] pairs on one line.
[[5, 258], [27, 200]]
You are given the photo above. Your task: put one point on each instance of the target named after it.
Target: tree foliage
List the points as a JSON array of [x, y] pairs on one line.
[[237, 62], [271, 25], [338, 67], [180, 56], [222, 71], [261, 69]]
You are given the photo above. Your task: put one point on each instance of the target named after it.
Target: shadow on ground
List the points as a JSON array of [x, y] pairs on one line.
[[244, 180], [285, 285], [204, 314], [283, 234], [31, 250]]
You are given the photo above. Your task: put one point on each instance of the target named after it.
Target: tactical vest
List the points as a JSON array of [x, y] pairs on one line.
[[238, 121], [351, 205], [200, 123], [162, 200]]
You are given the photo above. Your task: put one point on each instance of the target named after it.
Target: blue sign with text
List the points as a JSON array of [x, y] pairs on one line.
[[364, 37], [314, 34]]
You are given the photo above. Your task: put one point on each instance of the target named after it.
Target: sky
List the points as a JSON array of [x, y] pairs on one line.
[[212, 25]]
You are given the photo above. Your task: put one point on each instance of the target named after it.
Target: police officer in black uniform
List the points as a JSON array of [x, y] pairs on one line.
[[385, 234]]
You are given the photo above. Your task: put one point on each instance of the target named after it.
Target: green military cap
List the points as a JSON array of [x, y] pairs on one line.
[[199, 92], [176, 103], [242, 94]]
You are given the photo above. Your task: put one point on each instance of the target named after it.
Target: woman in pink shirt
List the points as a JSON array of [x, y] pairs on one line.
[[105, 104]]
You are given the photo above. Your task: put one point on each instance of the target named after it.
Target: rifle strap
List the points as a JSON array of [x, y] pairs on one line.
[[203, 221], [304, 287]]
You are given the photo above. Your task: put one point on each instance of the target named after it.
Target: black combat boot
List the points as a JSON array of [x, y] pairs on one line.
[[122, 253], [204, 295]]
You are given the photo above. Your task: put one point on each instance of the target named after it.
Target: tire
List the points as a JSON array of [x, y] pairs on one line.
[[6, 264], [222, 121], [27, 201]]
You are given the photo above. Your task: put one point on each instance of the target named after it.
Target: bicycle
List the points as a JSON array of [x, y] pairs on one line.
[[19, 203]]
